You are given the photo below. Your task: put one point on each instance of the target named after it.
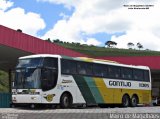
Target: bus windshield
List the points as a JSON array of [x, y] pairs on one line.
[[27, 78], [36, 73], [31, 62]]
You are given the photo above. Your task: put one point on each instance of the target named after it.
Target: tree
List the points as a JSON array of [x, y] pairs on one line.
[[130, 45], [139, 45], [56, 41], [110, 43], [147, 49], [78, 44], [19, 30], [49, 40]]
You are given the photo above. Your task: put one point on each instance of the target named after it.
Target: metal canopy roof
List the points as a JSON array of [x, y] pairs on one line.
[[14, 44], [153, 62], [9, 56]]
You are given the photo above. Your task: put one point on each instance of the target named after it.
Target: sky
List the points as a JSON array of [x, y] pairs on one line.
[[91, 22]]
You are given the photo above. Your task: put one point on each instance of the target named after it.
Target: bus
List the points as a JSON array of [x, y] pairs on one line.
[[66, 81]]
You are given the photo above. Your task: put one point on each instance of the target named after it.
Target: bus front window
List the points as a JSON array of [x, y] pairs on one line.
[[36, 73], [27, 73], [31, 62], [28, 78]]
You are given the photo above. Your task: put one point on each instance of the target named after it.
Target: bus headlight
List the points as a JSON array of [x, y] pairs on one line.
[[14, 99]]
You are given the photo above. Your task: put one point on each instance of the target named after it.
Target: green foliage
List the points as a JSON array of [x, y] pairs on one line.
[[139, 45], [110, 43], [130, 45], [4, 82], [49, 40], [102, 51]]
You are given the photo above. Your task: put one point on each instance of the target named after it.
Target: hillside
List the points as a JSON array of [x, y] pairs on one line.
[[4, 82], [102, 51]]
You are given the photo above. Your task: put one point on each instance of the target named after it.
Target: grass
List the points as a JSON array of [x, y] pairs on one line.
[[4, 82], [102, 51]]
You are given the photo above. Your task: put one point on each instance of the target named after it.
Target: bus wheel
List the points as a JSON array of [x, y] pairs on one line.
[[134, 101], [125, 101], [66, 100]]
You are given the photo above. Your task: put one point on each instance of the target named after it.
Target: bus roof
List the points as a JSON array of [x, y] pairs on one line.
[[109, 62], [40, 55], [101, 61], [86, 59]]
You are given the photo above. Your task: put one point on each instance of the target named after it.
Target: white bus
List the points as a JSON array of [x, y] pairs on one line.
[[65, 81]]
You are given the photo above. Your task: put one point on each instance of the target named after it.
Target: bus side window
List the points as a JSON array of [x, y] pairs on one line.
[[100, 70], [81, 68], [110, 71], [68, 67], [117, 71], [84, 68], [50, 62], [127, 73], [146, 76], [73, 67], [114, 71], [65, 66], [138, 75]]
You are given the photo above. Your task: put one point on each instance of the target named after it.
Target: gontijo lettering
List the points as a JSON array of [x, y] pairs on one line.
[[120, 83]]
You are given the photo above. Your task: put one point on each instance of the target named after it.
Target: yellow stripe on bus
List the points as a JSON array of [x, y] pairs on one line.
[[92, 60], [106, 93]]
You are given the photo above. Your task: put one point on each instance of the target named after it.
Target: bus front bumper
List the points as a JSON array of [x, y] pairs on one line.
[[26, 99]]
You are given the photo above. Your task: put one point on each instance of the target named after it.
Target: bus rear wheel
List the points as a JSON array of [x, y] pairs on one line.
[[134, 101], [125, 101], [66, 100]]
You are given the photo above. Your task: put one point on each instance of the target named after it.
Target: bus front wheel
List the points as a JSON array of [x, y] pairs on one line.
[[66, 100], [125, 101]]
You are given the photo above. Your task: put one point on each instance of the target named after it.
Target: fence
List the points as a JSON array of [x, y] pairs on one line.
[[5, 100]]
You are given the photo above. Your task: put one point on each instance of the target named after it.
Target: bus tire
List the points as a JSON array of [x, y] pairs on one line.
[[125, 101], [134, 101], [66, 100]]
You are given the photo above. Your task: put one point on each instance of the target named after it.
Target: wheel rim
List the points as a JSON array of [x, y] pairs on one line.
[[134, 101], [125, 101], [66, 101]]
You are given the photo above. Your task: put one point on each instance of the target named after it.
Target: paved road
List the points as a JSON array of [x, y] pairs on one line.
[[87, 113]]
